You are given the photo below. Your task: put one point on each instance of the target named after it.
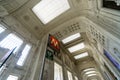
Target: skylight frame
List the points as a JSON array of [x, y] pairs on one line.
[[55, 8], [82, 55], [71, 38], [76, 47]]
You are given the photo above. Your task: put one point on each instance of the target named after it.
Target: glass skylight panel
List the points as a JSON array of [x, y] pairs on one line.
[[70, 38], [1, 28], [11, 77], [76, 47], [11, 41], [47, 10], [89, 69], [81, 55], [24, 55], [90, 72], [91, 75]]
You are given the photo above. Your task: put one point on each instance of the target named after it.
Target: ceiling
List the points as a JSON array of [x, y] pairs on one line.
[[71, 22]]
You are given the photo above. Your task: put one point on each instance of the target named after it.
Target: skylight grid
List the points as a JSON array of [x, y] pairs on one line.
[[47, 10], [71, 38], [76, 47], [81, 55]]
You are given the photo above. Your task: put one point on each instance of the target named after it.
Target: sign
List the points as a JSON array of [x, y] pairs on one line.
[[49, 54], [54, 43], [112, 59]]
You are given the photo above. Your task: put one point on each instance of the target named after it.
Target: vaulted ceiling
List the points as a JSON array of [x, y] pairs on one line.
[[71, 22]]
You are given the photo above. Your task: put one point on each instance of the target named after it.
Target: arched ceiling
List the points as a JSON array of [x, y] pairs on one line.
[[71, 22]]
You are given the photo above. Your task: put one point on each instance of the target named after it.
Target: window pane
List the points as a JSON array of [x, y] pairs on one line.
[[10, 42], [11, 77], [24, 55], [1, 28], [69, 75], [58, 74]]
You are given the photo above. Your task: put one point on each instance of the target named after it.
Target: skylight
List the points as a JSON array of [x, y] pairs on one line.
[[81, 55], [47, 10], [76, 47], [71, 38], [92, 75], [90, 72], [11, 77], [88, 69]]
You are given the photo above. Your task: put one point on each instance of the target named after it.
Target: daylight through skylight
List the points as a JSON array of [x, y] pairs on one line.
[[76, 47], [11, 77], [47, 10], [70, 38], [81, 55]]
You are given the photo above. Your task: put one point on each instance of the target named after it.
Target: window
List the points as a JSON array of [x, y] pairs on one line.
[[47, 10], [10, 42], [11, 77], [24, 55], [69, 75], [58, 74], [76, 47], [71, 38], [1, 28], [82, 55]]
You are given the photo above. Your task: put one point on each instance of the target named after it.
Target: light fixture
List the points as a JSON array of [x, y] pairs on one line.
[[47, 10], [76, 47], [71, 38], [82, 55]]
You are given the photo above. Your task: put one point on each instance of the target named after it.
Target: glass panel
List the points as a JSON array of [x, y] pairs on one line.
[[53, 7], [11, 77], [24, 55], [71, 38], [69, 75], [10, 42], [58, 74], [76, 47], [1, 28]]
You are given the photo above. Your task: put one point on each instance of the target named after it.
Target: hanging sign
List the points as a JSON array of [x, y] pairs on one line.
[[54, 43]]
